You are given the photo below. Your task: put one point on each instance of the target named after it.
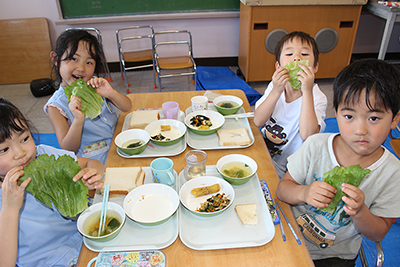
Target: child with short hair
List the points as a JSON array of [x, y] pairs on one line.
[[366, 101], [31, 233], [78, 54], [289, 116]]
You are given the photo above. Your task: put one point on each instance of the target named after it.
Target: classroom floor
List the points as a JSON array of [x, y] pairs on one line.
[[140, 82]]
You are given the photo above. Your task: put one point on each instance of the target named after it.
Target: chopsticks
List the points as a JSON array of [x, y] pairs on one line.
[[280, 223], [240, 115], [290, 226], [104, 206]]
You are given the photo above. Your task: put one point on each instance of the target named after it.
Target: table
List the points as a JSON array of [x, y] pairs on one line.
[[391, 15], [275, 253]]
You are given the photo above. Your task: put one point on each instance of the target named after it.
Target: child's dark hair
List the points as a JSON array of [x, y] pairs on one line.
[[11, 120], [375, 77], [304, 38], [68, 41]]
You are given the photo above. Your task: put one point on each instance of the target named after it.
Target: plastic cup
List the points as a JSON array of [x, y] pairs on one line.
[[170, 110]]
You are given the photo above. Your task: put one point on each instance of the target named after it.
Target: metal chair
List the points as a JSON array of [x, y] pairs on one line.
[[173, 51], [135, 46], [100, 40], [379, 255]]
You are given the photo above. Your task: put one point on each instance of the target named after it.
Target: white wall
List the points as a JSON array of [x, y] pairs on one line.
[[216, 37]]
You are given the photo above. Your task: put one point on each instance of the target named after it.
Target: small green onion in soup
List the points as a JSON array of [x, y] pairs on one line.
[[228, 104], [133, 143], [92, 223], [236, 169]]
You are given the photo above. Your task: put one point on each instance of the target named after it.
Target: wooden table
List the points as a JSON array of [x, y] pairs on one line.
[[275, 253]]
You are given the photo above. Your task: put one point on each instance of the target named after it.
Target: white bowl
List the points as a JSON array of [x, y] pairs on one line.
[[151, 204], [132, 134], [87, 217], [192, 203], [237, 158], [216, 118], [178, 130]]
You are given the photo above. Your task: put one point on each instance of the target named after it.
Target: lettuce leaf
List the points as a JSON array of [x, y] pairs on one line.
[[91, 100], [351, 175], [51, 182], [293, 69]]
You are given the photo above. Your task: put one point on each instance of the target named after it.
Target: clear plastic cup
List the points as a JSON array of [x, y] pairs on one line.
[[170, 110]]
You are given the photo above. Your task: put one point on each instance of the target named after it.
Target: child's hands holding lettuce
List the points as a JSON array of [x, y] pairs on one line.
[[301, 76], [319, 194]]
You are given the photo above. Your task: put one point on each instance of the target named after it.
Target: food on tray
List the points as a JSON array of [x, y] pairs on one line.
[[293, 68], [51, 183], [141, 118], [201, 122], [350, 175], [165, 128], [123, 179], [233, 137], [228, 104], [160, 137], [247, 213], [90, 99], [112, 223], [214, 203], [133, 143], [236, 169], [205, 190]]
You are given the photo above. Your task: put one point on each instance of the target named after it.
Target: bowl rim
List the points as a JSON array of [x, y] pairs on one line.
[[225, 96], [217, 165], [131, 130], [208, 177], [168, 120], [204, 112], [144, 186], [79, 223]]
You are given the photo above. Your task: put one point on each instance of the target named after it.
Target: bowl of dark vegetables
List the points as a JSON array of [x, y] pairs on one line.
[[166, 132], [204, 121], [132, 141]]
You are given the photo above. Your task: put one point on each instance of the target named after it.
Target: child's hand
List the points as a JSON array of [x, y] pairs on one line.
[[102, 87], [90, 178], [306, 77], [13, 192], [319, 194], [280, 78], [75, 107], [354, 199]]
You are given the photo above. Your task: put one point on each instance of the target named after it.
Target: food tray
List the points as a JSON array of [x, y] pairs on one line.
[[209, 142], [134, 236], [226, 230], [156, 150]]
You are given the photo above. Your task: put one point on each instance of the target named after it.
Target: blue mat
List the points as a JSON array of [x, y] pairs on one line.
[[217, 78], [49, 139]]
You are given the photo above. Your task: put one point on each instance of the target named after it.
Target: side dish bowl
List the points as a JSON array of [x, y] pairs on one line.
[[191, 203], [172, 136], [151, 204], [216, 119], [92, 215], [132, 135], [243, 162], [235, 101]]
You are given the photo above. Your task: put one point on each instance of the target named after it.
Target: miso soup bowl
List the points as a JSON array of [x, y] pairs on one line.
[[132, 134], [227, 98], [86, 218], [236, 158]]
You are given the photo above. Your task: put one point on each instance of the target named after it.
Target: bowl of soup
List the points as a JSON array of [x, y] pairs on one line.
[[227, 104], [89, 222], [132, 141], [236, 169]]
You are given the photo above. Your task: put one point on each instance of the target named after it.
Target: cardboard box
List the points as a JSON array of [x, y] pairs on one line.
[[301, 2]]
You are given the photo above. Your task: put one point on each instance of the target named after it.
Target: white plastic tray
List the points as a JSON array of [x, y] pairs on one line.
[[156, 150], [209, 142], [226, 230], [134, 236]]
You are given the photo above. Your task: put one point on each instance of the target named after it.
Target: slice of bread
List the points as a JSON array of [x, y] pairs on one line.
[[233, 137], [247, 213], [123, 179], [140, 119]]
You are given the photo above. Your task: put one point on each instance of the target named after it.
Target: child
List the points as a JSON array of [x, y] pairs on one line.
[[32, 234], [366, 101], [289, 115], [78, 54]]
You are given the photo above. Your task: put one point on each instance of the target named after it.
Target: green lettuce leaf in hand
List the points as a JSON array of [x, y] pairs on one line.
[[90, 99], [350, 175], [293, 69], [51, 182]]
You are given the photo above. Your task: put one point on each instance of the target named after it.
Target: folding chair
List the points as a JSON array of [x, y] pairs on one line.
[[135, 46], [379, 255], [98, 35], [173, 51]]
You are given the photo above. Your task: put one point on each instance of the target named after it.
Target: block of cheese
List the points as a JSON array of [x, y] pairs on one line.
[[233, 137], [141, 118], [123, 179], [247, 213]]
